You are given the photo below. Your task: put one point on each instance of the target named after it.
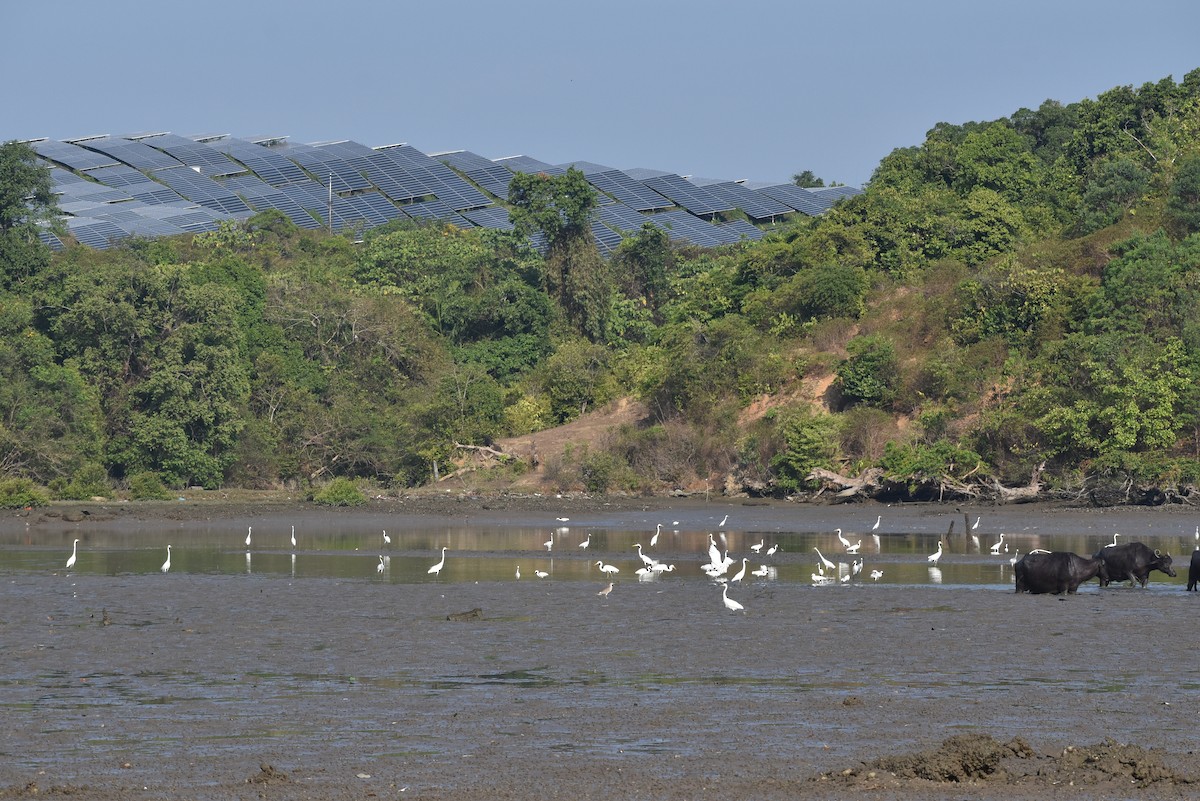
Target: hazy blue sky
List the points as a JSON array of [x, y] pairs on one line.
[[754, 90]]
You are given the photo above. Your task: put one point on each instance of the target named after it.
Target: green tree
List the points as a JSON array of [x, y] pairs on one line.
[[1183, 199], [26, 205], [559, 209], [807, 180], [870, 372], [1114, 187]]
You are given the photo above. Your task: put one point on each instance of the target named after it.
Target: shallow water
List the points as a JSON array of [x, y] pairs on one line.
[[483, 549]]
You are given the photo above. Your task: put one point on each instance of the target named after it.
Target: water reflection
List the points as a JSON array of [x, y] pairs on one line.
[[482, 551]]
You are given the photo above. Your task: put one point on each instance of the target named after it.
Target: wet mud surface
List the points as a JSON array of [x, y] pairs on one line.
[[217, 686]]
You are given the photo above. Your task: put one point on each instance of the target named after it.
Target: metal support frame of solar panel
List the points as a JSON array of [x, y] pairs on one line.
[[267, 164], [73, 156], [681, 225], [322, 164], [797, 197], [51, 239], [756, 205], [135, 154], [496, 217], [698, 201], [633, 194], [211, 162]]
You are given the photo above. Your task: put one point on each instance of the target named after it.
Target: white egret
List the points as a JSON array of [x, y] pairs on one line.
[[857, 566], [657, 531], [854, 548], [762, 572], [876, 575], [586, 542], [730, 604], [607, 569], [167, 564], [437, 569], [845, 579], [249, 531], [999, 544], [934, 557], [771, 551], [379, 567], [759, 547], [1016, 557], [741, 574], [549, 543], [724, 520], [644, 573], [1114, 542], [878, 520], [540, 573], [386, 539], [714, 554], [293, 536], [648, 561], [563, 519], [518, 571], [659, 567], [71, 558], [845, 542], [821, 578], [829, 565], [606, 590]]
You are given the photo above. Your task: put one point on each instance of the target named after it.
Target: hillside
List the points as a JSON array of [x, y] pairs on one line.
[[1010, 299]]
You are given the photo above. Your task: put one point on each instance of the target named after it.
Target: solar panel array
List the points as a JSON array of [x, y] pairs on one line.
[[159, 184]]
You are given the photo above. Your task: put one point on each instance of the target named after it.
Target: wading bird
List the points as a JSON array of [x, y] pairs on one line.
[[167, 564], [741, 574], [876, 575], [935, 556], [386, 539], [249, 531], [606, 590], [518, 571], [586, 542], [759, 547], [437, 569], [1114, 542], [828, 565], [608, 570], [771, 551], [730, 604], [379, 567], [999, 544], [293, 536], [762, 572], [540, 573], [71, 558], [657, 531]]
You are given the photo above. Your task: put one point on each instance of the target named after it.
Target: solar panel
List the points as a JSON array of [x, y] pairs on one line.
[[632, 193], [693, 198], [281, 202], [797, 197], [99, 234], [490, 217], [119, 175], [135, 154], [268, 164], [606, 239], [50, 239], [211, 162], [682, 226], [435, 210], [756, 205], [494, 178], [463, 160], [743, 229], [622, 218], [323, 164], [529, 164], [153, 193], [73, 156]]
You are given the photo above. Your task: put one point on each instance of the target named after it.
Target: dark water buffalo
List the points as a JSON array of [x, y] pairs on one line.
[[1133, 561], [1194, 570], [1056, 572]]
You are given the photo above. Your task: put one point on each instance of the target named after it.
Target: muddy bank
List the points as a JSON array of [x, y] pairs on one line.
[[215, 686]]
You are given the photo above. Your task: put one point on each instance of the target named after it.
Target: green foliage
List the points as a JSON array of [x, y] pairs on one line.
[[26, 203], [339, 492], [147, 486], [1114, 188], [825, 291], [930, 463], [20, 493], [1008, 300], [90, 480], [1183, 199], [575, 377], [870, 372], [807, 180], [809, 441]]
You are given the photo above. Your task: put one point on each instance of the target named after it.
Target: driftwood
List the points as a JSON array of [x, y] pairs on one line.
[[484, 450], [1021, 494], [867, 483]]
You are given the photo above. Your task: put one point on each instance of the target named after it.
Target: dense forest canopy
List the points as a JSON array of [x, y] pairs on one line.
[[1012, 298]]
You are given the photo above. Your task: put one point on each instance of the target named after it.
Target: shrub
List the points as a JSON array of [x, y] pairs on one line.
[[89, 481], [340, 492], [147, 486], [18, 493]]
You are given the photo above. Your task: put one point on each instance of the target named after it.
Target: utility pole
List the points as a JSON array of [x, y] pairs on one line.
[[331, 202]]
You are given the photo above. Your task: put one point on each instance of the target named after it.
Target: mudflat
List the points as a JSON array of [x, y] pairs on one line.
[[217, 686]]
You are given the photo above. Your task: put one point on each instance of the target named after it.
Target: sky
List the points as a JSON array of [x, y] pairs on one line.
[[756, 90]]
